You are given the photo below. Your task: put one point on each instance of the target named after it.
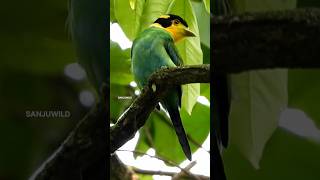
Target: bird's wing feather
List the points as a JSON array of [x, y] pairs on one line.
[[177, 60], [173, 52]]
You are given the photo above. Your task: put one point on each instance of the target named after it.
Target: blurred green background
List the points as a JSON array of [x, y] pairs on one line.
[[37, 73]]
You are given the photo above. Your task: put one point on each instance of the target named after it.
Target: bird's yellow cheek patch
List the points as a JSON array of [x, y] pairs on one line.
[[176, 33]]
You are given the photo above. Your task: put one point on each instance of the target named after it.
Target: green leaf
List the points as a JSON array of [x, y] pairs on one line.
[[152, 10], [118, 105], [163, 137], [32, 43], [190, 51], [258, 96], [287, 156], [128, 19], [205, 90], [206, 53], [304, 88], [133, 21], [145, 177], [112, 15], [207, 5], [203, 19], [120, 66], [257, 100], [120, 77], [133, 4]]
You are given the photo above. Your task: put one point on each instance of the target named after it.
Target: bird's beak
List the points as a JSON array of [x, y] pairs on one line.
[[188, 32]]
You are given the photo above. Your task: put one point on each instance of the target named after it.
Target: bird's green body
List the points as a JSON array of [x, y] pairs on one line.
[[149, 54], [152, 50]]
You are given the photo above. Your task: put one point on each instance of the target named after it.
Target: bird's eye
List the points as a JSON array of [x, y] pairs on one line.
[[176, 21]]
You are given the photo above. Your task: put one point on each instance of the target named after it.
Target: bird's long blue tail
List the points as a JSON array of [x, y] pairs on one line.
[[177, 124]]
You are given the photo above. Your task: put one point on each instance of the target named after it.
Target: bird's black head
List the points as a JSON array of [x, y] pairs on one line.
[[175, 25], [167, 20]]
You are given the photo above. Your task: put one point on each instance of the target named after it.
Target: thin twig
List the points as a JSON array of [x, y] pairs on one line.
[[160, 158], [165, 173], [151, 172]]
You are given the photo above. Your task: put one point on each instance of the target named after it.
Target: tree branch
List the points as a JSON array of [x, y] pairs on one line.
[[151, 172], [179, 175], [183, 174], [118, 170], [85, 148], [137, 114], [280, 39], [170, 162]]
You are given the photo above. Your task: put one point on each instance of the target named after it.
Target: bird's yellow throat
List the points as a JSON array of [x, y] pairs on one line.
[[177, 32]]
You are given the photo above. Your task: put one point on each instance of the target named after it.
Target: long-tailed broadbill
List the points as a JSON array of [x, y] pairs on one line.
[[153, 49]]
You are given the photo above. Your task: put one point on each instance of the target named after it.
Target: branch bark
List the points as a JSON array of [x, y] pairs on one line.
[[137, 114], [83, 154], [280, 39], [180, 175]]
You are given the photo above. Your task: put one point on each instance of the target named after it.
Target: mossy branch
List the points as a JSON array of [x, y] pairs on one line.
[[276, 39], [137, 114]]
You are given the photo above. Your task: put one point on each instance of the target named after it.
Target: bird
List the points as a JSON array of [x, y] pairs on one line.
[[153, 49]]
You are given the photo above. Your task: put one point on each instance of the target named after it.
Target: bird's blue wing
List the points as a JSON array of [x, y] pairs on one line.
[[173, 52], [175, 57]]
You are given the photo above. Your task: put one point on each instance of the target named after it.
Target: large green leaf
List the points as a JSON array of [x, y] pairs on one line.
[[159, 134], [118, 104], [257, 100], [203, 19], [33, 43], [303, 85], [304, 88], [258, 97], [135, 16], [128, 19], [120, 67], [205, 91], [207, 5], [286, 156], [146, 138], [190, 51], [152, 10], [120, 77], [112, 15]]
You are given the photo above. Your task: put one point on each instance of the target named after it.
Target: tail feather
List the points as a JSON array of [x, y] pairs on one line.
[[177, 124]]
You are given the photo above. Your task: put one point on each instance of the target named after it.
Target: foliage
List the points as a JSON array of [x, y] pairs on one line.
[[133, 17], [258, 98], [35, 48]]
